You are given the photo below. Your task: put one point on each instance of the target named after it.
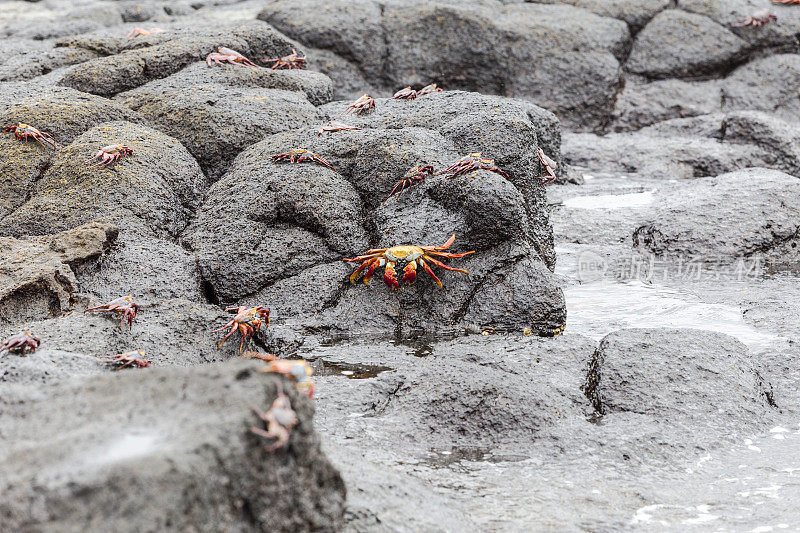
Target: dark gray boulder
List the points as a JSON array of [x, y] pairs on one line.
[[136, 62], [215, 122], [688, 378], [153, 191], [267, 227], [171, 332], [63, 113], [561, 57], [508, 130], [736, 215], [702, 146], [680, 44], [37, 277], [317, 87], [640, 105], [178, 455], [765, 84]]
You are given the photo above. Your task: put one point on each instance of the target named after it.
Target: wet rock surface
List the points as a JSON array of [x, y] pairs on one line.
[[667, 246]]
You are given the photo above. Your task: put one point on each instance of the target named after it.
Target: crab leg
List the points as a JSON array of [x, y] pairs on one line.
[[446, 245], [376, 263], [430, 272], [361, 267], [442, 265], [451, 255]]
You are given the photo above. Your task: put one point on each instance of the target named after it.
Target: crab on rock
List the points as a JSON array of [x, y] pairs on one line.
[[289, 62], [123, 305], [759, 18], [334, 126], [129, 359], [280, 419], [226, 55], [21, 342], [414, 256], [549, 166], [24, 132], [247, 321], [416, 174], [109, 154], [365, 104], [428, 89], [136, 32], [405, 94], [473, 161], [298, 155], [297, 370]]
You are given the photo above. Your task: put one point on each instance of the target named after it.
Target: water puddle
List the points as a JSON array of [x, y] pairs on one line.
[[457, 455], [597, 309], [350, 371], [610, 201]]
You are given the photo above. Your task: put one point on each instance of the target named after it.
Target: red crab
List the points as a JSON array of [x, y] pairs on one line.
[[248, 321], [298, 155], [109, 154], [280, 419], [334, 126], [226, 55], [428, 89], [298, 370], [365, 104], [136, 32], [20, 343], [416, 174], [405, 94], [759, 18], [468, 163], [123, 305], [25, 132], [413, 255], [129, 359], [549, 166], [291, 61]]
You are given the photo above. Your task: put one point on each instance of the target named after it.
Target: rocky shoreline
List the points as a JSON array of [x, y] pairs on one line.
[[621, 356]]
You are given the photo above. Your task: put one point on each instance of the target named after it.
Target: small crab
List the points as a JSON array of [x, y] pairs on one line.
[[290, 61], [365, 104], [298, 155], [123, 305], [428, 89], [136, 32], [109, 154], [759, 18], [25, 132], [298, 370], [21, 342], [468, 163], [416, 174], [405, 94], [413, 255], [226, 55], [280, 419], [248, 321], [549, 166], [129, 359], [334, 126]]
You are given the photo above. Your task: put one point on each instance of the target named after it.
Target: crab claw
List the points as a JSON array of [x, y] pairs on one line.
[[410, 272], [389, 276]]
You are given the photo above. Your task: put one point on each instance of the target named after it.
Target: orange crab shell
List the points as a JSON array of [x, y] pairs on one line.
[[414, 256]]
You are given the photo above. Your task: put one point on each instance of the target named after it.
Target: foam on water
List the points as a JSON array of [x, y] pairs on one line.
[[610, 201]]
